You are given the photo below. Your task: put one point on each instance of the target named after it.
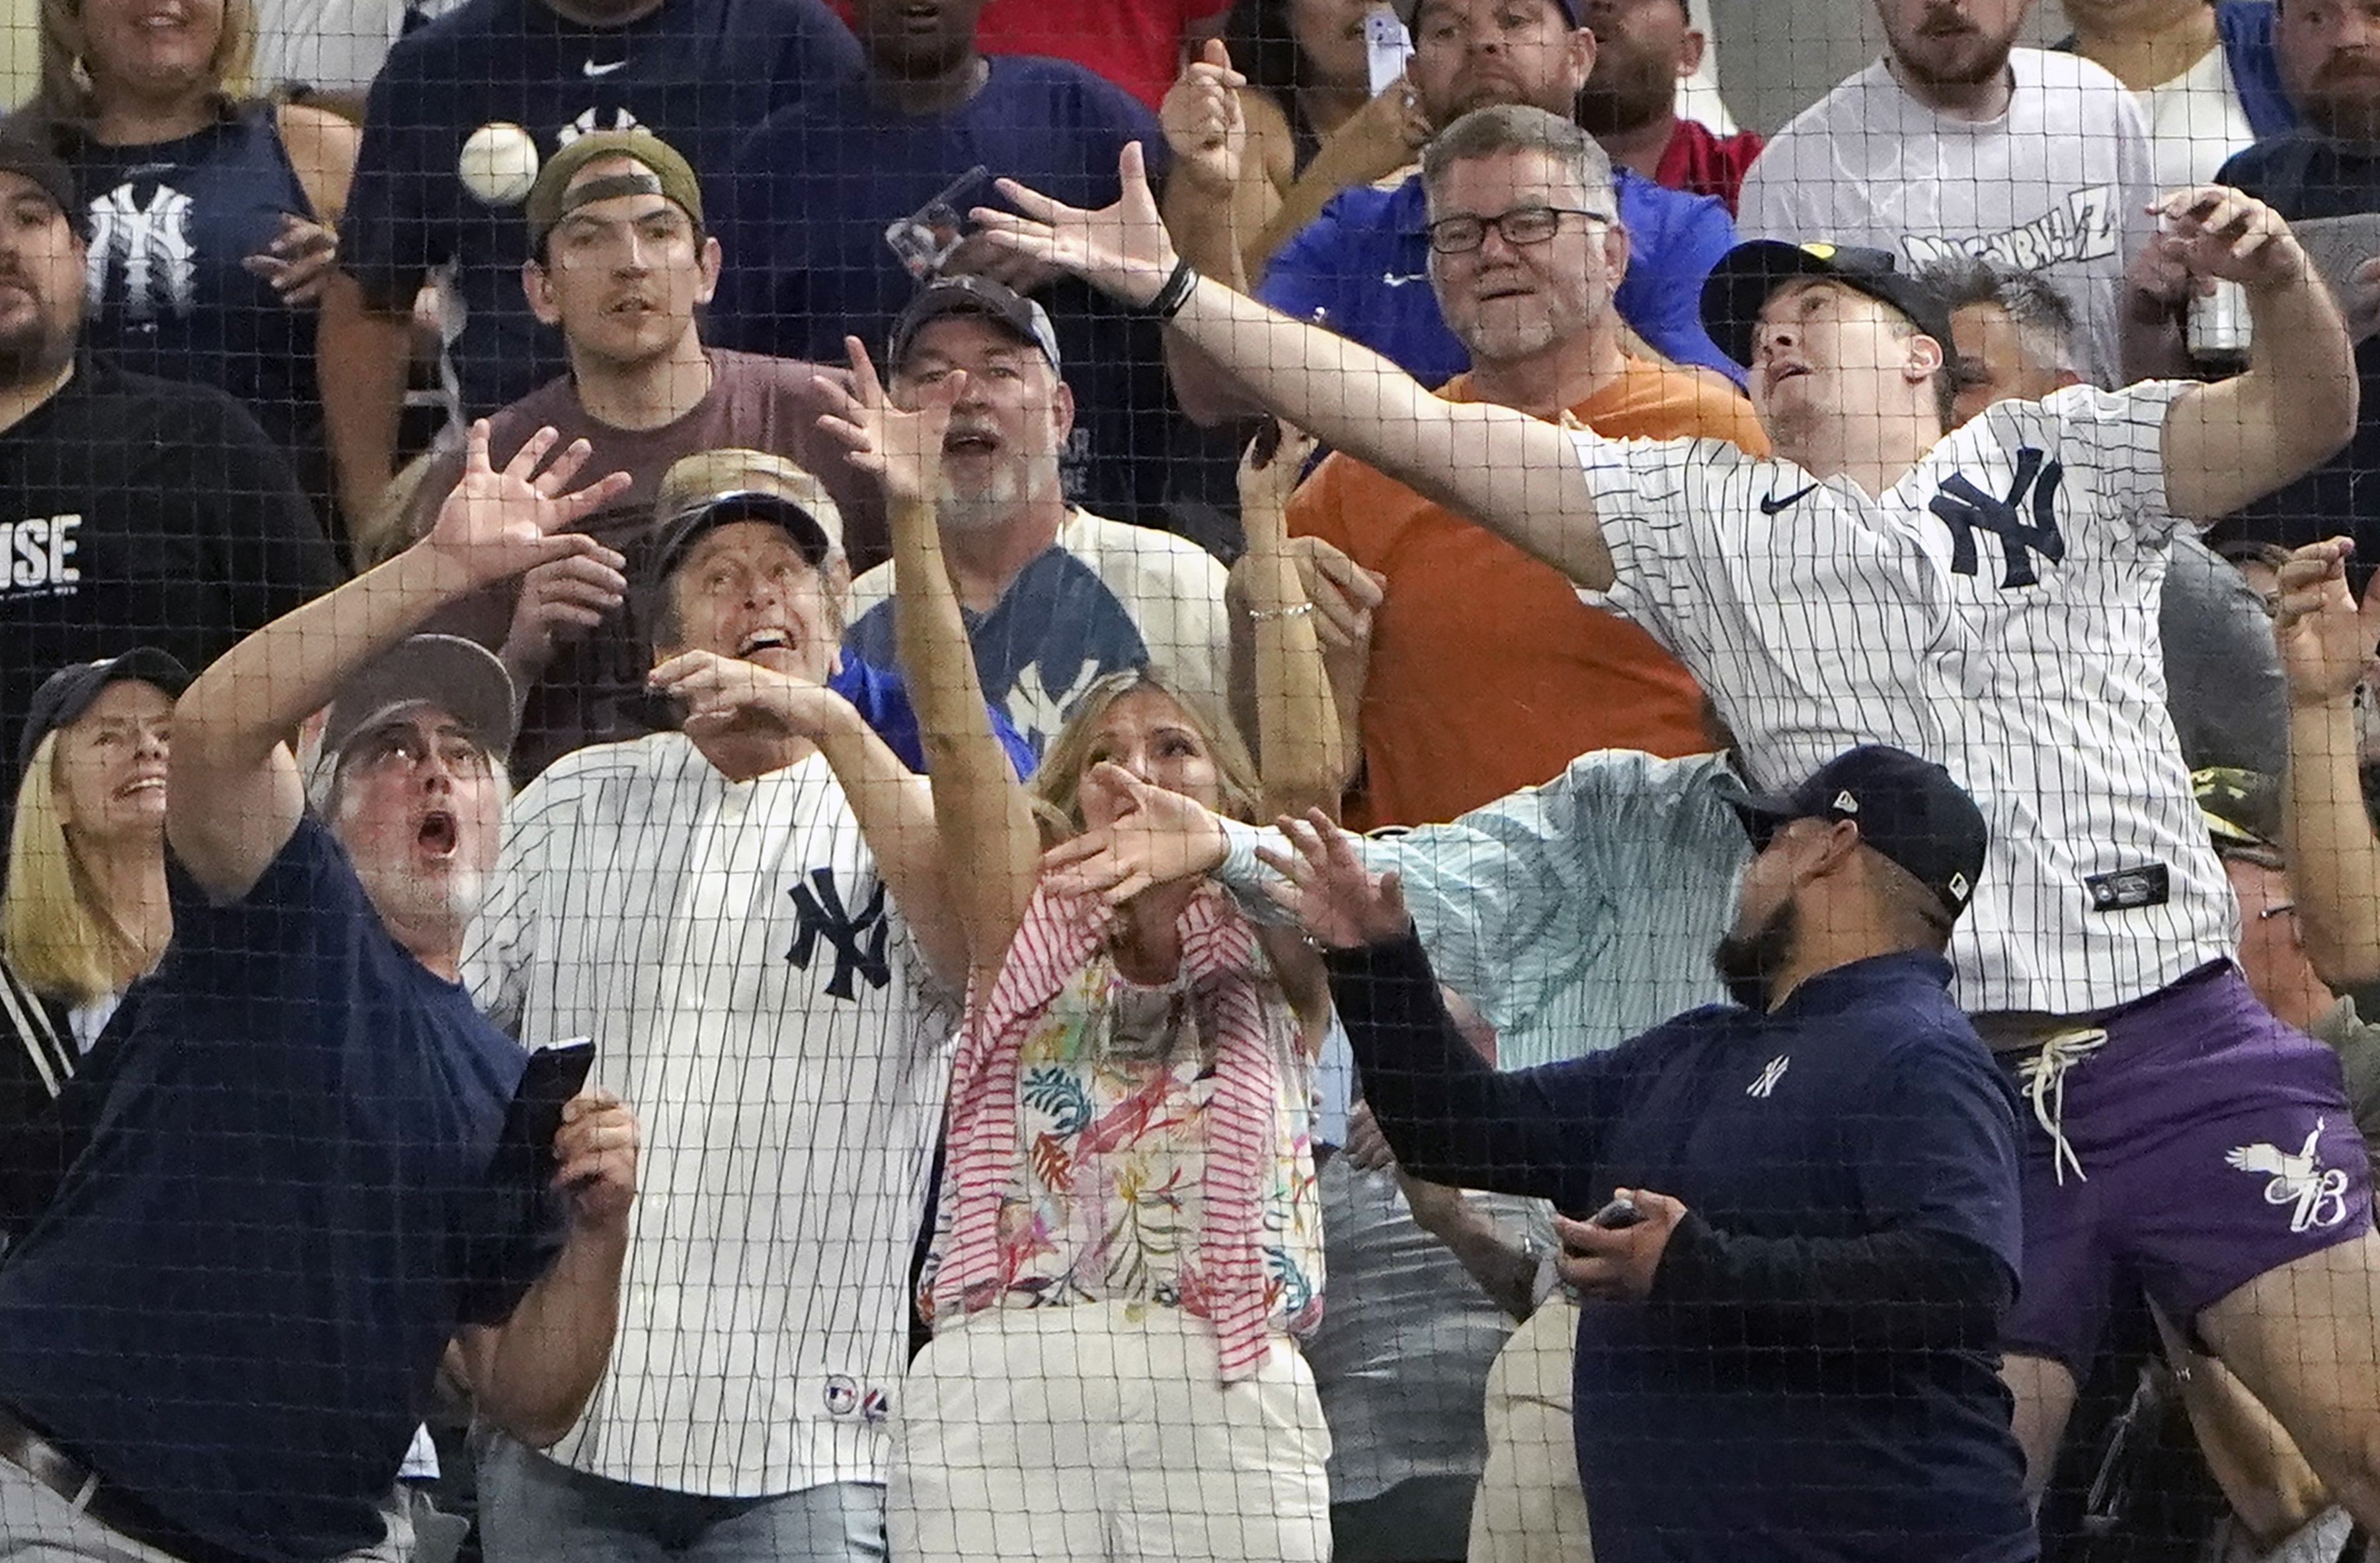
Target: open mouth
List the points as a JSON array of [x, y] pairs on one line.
[[969, 441], [438, 833], [759, 641], [1780, 373], [142, 785]]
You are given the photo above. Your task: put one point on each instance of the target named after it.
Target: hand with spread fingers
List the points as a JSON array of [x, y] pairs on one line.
[[298, 263], [2325, 638], [1616, 1263], [903, 447], [2214, 232], [1342, 904], [497, 523], [1158, 838], [596, 1152], [724, 693], [1121, 249]]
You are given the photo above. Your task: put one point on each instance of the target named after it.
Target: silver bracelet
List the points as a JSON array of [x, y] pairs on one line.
[[1267, 615]]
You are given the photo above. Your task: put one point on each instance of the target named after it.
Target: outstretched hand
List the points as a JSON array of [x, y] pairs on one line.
[[1205, 126], [1270, 470], [1121, 249], [2325, 638], [496, 524], [902, 446], [2212, 231], [1160, 837], [1342, 904]]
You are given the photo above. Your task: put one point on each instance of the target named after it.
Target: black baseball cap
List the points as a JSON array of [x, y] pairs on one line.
[[67, 693], [971, 295], [1906, 807], [1740, 285], [27, 152]]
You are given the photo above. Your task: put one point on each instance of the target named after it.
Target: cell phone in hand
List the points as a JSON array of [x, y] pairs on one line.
[[1620, 1215], [553, 1075], [1387, 47]]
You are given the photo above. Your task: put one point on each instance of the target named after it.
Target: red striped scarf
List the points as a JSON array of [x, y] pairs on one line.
[[1057, 938]]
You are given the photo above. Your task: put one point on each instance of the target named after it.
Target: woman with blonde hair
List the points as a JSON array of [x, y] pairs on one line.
[[212, 214], [84, 912], [1128, 1241]]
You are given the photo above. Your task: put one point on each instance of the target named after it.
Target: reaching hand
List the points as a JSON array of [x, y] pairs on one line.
[[2325, 640], [1205, 126], [902, 447], [1160, 837], [2217, 232], [560, 601], [1616, 1263], [1121, 250], [495, 524], [1342, 905], [298, 262], [720, 693], [1269, 472], [596, 1150], [1383, 136]]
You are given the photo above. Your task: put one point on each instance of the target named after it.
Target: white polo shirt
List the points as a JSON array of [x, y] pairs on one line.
[[754, 996], [1996, 611]]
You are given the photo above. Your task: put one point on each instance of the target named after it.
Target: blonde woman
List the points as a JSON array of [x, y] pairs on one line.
[[84, 911], [1128, 1242]]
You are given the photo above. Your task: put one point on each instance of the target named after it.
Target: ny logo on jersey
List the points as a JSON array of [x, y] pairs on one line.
[[1773, 1071], [858, 941], [1966, 508], [151, 246]]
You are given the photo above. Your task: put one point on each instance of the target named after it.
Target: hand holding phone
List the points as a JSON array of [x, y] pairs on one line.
[[553, 1076], [1618, 1216]]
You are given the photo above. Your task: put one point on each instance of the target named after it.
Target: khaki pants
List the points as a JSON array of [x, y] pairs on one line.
[[1530, 1508], [1105, 1432]]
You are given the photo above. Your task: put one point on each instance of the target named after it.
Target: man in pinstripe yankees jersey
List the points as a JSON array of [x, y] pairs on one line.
[[1986, 598]]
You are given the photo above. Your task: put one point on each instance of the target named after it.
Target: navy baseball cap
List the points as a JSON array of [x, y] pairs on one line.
[[67, 693], [971, 295], [1906, 807], [1740, 286]]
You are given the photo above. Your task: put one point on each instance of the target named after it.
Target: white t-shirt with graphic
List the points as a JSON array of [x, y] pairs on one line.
[[754, 995], [1996, 611], [2059, 183]]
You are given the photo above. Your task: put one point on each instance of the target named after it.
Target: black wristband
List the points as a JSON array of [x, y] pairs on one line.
[[1174, 294]]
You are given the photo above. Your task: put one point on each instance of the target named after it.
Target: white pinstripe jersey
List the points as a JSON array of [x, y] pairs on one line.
[[754, 996], [1996, 610]]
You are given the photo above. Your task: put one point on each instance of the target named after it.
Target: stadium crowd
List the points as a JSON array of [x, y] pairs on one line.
[[1254, 780]]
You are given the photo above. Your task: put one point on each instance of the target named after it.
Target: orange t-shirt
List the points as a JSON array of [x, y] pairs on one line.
[[1487, 673]]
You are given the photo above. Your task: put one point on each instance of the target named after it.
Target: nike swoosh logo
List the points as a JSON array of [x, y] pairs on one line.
[[591, 68], [1770, 504], [1392, 280]]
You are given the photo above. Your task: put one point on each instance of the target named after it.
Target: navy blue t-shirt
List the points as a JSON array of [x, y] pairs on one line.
[[805, 207], [235, 1305], [1363, 269], [1864, 1107], [881, 698], [697, 73]]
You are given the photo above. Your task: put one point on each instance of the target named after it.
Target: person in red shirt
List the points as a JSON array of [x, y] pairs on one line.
[[1643, 49]]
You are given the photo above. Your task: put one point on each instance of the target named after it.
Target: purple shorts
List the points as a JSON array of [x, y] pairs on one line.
[[2216, 1144]]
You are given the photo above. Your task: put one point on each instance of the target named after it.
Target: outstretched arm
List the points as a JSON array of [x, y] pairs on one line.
[[2327, 645], [2238, 441], [236, 796], [990, 847], [1300, 746], [1516, 476]]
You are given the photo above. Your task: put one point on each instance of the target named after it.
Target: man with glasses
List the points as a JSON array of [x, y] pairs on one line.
[[1455, 704]]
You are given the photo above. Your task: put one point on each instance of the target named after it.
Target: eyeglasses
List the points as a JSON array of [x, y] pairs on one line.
[[1522, 225]]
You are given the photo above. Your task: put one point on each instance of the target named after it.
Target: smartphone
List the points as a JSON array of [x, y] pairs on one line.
[[1387, 46], [553, 1075], [1618, 1216]]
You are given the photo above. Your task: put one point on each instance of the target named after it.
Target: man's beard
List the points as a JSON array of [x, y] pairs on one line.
[[1954, 60], [983, 507], [1626, 89], [1748, 962], [34, 354]]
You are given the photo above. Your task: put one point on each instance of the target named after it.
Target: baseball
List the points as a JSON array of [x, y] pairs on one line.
[[498, 165]]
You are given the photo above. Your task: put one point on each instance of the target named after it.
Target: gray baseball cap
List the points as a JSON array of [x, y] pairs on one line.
[[461, 677]]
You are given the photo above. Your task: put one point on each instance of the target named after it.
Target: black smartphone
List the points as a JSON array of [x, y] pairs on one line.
[[554, 1074], [1619, 1214]]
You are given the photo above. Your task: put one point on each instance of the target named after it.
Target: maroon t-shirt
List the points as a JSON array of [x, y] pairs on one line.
[[594, 690]]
